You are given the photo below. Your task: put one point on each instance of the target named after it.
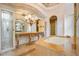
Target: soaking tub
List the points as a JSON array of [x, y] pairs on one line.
[[62, 41]]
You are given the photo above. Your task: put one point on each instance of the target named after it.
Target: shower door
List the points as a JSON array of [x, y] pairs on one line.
[[6, 30]]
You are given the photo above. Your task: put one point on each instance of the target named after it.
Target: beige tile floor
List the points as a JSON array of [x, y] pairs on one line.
[[42, 51], [22, 50], [34, 50]]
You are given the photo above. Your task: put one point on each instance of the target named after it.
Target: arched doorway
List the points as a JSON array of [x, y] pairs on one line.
[[53, 20]]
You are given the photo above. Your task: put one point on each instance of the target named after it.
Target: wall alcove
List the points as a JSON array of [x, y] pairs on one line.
[[53, 20]]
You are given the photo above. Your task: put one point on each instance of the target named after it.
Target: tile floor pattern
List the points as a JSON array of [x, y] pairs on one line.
[[23, 49], [33, 50]]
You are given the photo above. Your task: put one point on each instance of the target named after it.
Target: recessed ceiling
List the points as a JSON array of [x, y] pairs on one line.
[[50, 4]]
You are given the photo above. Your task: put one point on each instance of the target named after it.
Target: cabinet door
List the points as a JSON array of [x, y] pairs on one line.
[[6, 30]]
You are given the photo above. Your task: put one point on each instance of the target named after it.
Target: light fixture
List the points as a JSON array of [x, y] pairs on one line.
[[31, 19]]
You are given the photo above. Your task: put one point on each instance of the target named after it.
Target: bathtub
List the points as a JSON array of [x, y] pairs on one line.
[[65, 42]]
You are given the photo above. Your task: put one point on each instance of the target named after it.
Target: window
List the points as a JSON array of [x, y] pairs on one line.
[[69, 25]]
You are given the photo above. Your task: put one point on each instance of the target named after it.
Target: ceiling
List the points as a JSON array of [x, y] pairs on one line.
[[50, 4], [32, 8], [46, 5]]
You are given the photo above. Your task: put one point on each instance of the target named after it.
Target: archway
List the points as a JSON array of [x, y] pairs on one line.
[[53, 20]]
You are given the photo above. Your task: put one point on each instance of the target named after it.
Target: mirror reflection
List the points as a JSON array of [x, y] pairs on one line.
[[26, 23], [19, 26]]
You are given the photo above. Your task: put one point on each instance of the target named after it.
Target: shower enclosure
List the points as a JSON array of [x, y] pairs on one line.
[[6, 24]]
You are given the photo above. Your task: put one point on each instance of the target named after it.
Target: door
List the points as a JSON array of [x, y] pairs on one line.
[[53, 20], [6, 30], [52, 24]]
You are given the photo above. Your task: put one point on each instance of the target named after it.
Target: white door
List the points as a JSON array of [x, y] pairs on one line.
[[6, 30]]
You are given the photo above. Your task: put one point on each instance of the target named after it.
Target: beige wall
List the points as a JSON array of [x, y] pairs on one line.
[[61, 11]]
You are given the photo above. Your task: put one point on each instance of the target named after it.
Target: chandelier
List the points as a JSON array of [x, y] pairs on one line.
[[31, 19]]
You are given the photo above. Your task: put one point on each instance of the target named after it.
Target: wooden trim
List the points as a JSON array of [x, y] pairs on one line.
[[75, 19]]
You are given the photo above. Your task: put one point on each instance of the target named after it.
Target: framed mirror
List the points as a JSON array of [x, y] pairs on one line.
[[19, 26]]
